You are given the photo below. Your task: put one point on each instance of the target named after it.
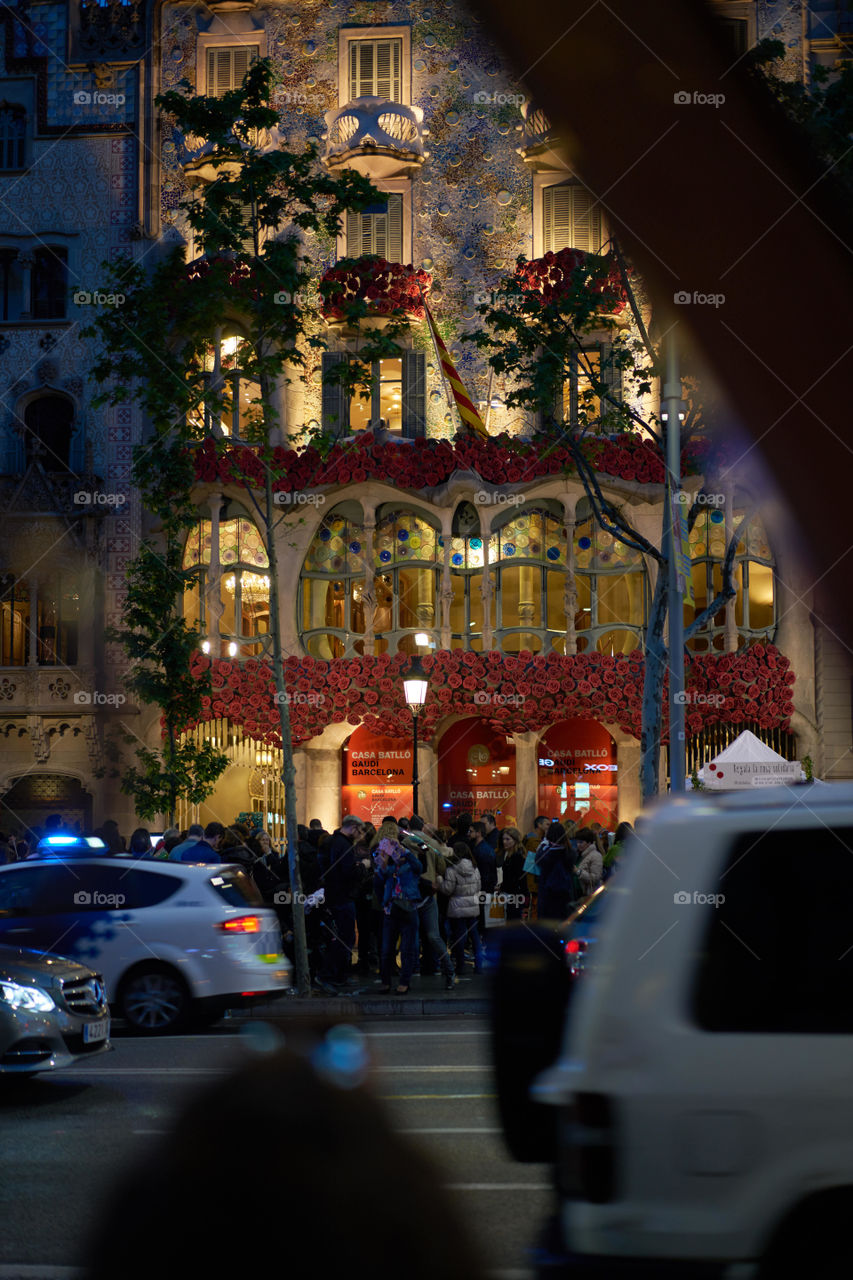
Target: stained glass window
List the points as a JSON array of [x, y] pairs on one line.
[[755, 601], [611, 589]]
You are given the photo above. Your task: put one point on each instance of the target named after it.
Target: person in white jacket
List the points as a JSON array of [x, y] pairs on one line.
[[590, 864], [461, 882]]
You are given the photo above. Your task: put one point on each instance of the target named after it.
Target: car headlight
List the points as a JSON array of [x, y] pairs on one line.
[[31, 999]]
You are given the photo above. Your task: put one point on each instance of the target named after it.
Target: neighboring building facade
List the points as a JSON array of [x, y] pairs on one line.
[[416, 97]]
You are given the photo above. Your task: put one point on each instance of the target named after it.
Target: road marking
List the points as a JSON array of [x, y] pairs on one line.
[[449, 1130], [422, 1070], [498, 1186], [447, 1097]]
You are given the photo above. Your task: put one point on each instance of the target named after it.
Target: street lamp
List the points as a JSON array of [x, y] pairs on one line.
[[415, 686]]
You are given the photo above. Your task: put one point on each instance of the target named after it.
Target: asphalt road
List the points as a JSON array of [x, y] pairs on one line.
[[65, 1136]]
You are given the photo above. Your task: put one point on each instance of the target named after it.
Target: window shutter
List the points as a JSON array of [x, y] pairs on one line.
[[571, 219], [611, 376], [414, 394], [379, 238], [375, 69], [354, 235], [394, 219], [247, 243], [334, 406], [227, 67]]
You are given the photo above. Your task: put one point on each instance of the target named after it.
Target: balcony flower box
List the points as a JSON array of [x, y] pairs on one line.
[[388, 289], [554, 275]]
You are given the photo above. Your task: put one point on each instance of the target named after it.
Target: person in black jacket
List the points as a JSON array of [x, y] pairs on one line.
[[340, 876], [558, 882], [485, 861]]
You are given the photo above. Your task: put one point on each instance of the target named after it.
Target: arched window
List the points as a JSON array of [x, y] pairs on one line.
[[610, 581], [755, 603], [528, 551], [244, 583], [240, 414], [332, 585], [13, 127], [466, 579], [49, 423], [407, 562]]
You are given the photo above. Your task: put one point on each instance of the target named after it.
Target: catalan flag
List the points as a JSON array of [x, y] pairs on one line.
[[467, 412]]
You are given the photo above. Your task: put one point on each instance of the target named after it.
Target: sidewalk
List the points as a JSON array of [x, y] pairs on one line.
[[362, 998]]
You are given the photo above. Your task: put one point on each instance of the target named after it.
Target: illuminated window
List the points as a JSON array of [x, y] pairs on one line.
[[239, 412], [581, 404], [610, 583], [467, 557], [332, 586], [755, 602], [244, 582], [377, 230], [528, 552], [396, 398], [407, 559]]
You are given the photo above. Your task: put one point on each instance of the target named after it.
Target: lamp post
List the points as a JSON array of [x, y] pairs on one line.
[[415, 686]]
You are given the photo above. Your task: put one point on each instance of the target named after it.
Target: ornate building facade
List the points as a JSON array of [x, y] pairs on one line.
[[484, 558]]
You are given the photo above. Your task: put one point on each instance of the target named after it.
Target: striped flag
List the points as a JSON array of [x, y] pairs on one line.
[[467, 412]]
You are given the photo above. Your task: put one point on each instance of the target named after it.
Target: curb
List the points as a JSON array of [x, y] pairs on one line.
[[371, 1007]]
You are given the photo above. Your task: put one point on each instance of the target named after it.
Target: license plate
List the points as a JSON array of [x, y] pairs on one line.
[[93, 1031]]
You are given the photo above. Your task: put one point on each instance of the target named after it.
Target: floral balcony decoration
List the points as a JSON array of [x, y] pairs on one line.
[[753, 685], [426, 464], [387, 289], [555, 274]]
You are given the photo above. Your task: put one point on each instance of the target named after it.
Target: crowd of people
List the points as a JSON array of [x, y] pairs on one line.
[[402, 899]]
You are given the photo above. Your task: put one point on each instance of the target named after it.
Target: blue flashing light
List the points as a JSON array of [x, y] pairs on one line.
[[63, 840]]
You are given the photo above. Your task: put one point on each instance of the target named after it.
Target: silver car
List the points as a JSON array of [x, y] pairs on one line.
[[52, 1012]]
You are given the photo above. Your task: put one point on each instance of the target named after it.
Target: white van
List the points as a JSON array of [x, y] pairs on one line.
[[705, 1081]]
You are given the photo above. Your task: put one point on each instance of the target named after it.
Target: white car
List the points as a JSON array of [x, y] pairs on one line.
[[172, 940], [705, 1082]]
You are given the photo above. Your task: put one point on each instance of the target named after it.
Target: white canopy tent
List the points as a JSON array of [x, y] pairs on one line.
[[747, 762]]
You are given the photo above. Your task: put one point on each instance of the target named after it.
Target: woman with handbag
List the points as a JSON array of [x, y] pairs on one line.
[[398, 874]]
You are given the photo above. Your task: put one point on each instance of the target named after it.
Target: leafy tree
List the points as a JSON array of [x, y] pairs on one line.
[[156, 349], [554, 324]]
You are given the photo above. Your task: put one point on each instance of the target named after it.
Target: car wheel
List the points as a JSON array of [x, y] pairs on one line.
[[529, 997], [815, 1241], [154, 1000]]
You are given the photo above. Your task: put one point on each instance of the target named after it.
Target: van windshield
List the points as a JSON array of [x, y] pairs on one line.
[[236, 888]]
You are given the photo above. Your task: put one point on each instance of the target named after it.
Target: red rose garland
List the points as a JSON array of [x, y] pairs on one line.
[[553, 276], [389, 288], [522, 692]]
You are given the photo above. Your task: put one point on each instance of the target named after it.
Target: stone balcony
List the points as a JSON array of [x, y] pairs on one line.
[[377, 138], [196, 155], [54, 690], [540, 144]]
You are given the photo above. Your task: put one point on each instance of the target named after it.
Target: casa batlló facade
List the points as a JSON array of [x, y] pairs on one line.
[[399, 535]]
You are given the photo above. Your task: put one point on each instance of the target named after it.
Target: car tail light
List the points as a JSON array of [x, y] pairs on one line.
[[575, 946], [587, 1169], [240, 924]]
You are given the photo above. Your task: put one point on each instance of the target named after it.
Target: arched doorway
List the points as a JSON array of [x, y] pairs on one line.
[[578, 773], [376, 776], [33, 798], [476, 772]]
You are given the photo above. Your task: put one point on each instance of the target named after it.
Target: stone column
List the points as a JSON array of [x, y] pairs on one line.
[[630, 799], [570, 593], [86, 634], [427, 782], [293, 419], [731, 633], [33, 588], [369, 590], [300, 767], [446, 596], [486, 582], [526, 778], [213, 607], [323, 786]]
